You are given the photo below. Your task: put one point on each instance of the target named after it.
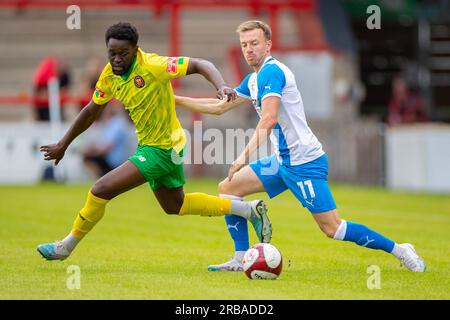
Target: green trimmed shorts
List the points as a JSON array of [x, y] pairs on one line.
[[160, 167]]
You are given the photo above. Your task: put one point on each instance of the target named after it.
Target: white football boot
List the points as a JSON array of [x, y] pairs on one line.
[[410, 259], [53, 251], [232, 265], [260, 221]]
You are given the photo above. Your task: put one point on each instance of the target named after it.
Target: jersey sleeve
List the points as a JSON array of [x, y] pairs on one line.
[[242, 90], [271, 82], [103, 93], [168, 67]]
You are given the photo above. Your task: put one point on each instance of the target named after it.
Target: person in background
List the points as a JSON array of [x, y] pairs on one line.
[[116, 140], [50, 67], [405, 106]]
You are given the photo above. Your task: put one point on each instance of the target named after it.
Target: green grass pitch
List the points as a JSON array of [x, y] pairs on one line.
[[139, 252]]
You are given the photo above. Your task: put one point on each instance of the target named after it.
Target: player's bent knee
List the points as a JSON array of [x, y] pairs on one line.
[[171, 211], [101, 190], [174, 207], [226, 187], [222, 187]]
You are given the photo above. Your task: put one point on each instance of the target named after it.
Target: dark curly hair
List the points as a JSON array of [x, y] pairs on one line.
[[122, 31]]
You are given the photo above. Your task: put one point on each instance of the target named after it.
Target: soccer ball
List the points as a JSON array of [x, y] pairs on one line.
[[263, 261]]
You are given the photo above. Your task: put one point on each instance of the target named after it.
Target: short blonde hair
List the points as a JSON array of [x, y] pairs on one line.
[[255, 24]]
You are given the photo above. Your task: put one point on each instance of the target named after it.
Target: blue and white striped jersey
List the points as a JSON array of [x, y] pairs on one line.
[[294, 142]]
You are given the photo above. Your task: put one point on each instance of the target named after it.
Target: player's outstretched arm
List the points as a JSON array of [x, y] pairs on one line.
[[208, 70], [83, 121], [208, 105], [269, 118]]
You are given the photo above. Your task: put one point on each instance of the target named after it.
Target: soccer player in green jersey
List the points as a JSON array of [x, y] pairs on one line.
[[141, 81]]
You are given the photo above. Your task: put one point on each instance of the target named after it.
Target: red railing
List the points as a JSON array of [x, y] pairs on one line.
[[254, 4], [175, 7]]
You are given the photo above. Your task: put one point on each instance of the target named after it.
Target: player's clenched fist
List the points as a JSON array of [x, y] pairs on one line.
[[226, 93]]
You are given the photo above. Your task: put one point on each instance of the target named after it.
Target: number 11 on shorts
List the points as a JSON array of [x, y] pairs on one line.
[[307, 183]]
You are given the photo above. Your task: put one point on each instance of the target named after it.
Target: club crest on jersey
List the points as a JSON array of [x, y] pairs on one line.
[[172, 65], [139, 81]]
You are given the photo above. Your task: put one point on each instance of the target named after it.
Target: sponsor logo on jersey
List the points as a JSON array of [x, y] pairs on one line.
[[172, 65], [139, 81]]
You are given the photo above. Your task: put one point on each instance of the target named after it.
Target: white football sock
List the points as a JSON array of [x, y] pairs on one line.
[[238, 205], [340, 232], [229, 196], [240, 208], [239, 255], [397, 251], [70, 242]]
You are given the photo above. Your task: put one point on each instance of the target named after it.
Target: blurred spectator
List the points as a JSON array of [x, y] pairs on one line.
[[116, 142], [50, 67], [405, 106], [89, 80]]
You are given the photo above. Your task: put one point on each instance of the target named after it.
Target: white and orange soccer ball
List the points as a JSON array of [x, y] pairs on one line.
[[263, 261]]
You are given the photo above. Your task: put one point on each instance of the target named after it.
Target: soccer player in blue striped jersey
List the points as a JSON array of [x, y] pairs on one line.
[[299, 163]]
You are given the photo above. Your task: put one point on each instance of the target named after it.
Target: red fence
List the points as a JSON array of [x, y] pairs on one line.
[[256, 7], [253, 4]]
